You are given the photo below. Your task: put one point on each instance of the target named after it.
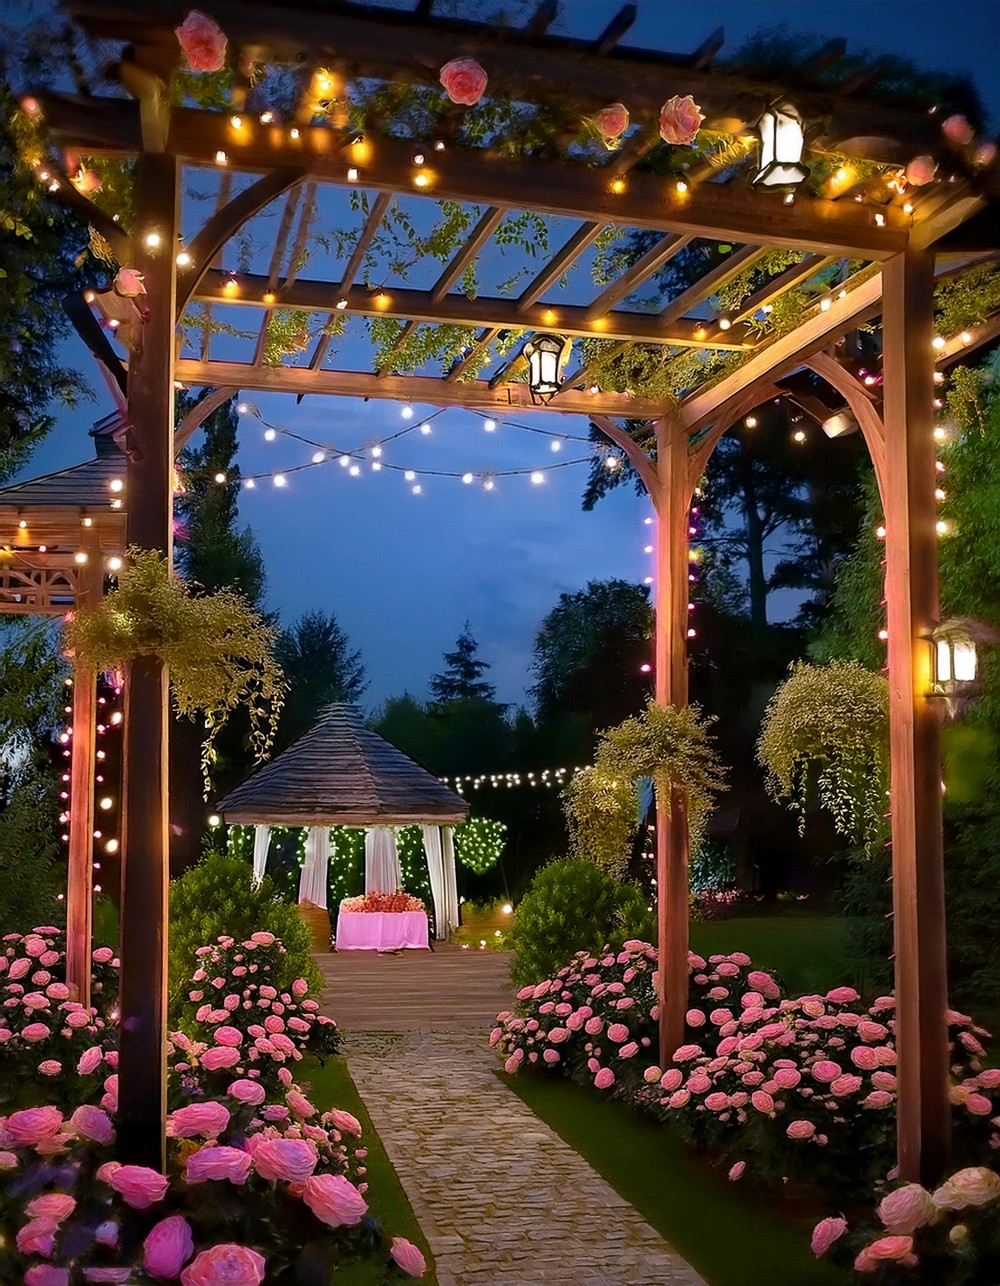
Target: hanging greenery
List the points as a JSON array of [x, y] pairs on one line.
[[602, 814], [218, 650], [479, 843], [829, 724]]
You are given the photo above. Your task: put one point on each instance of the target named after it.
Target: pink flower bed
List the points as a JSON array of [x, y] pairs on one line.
[[385, 902]]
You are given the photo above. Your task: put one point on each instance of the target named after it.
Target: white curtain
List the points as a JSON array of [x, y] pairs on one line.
[[435, 869], [261, 843], [450, 879], [381, 860], [312, 882]]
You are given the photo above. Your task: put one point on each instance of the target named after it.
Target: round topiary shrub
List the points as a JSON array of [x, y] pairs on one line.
[[573, 905]]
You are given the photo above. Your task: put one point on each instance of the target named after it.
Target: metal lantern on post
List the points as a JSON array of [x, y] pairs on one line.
[[545, 354], [781, 133], [955, 659]]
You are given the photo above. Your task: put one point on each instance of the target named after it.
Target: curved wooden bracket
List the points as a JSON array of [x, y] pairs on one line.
[[228, 221], [198, 414], [639, 460], [113, 233], [858, 399], [699, 457]]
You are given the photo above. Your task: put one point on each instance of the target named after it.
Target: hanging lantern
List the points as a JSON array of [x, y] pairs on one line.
[[546, 355], [955, 659], [781, 132]]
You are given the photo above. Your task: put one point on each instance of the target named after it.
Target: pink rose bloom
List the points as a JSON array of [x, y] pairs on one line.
[[736, 1171], [464, 81], [218, 1057], [877, 1099], [628, 1050], [825, 1070], [921, 170], [37, 1238], [762, 1101], [292, 1160], [974, 1186], [128, 282], [35, 1032], [299, 987], [699, 1083], [717, 1102], [32, 1126], [247, 1092], [78, 1018], [604, 1079], [54, 1206], [86, 182], [800, 1129], [787, 1078], [168, 1247], [652, 1075], [139, 1186], [225, 1265], [979, 1105], [550, 1055], [300, 1105], [826, 1232], [672, 1078], [345, 1122], [884, 1249], [91, 1123], [686, 1052], [202, 42], [957, 129], [694, 1018], [594, 1026], [558, 1034], [18, 969], [845, 1084], [513, 1062], [611, 122], [49, 1067], [218, 1163], [8, 1161], [107, 1275], [907, 1209], [273, 1023], [206, 1119], [231, 1036], [679, 1099], [618, 1032], [843, 995], [407, 1258], [46, 1275], [334, 1200], [864, 1056], [680, 121]]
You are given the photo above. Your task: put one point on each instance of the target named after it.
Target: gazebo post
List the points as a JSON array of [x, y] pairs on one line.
[[923, 1120], [145, 852], [671, 500]]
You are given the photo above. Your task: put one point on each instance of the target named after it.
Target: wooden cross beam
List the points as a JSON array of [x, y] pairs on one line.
[[375, 216]]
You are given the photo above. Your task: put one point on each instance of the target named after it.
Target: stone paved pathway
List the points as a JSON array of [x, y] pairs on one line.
[[502, 1200]]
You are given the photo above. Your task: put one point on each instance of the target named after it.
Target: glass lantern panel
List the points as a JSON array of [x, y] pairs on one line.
[[964, 660], [943, 667]]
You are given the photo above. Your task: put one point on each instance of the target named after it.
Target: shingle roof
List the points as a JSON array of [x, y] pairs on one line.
[[342, 773], [80, 486]]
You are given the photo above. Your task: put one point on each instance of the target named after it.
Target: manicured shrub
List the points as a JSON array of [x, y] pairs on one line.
[[572, 901], [218, 898]]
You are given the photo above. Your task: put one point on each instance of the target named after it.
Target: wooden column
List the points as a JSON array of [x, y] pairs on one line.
[[673, 497], [145, 870], [80, 872], [915, 794]]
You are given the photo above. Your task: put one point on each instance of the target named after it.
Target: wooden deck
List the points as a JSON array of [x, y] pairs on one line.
[[445, 989]]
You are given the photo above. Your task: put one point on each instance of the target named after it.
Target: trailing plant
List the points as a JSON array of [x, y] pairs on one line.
[[479, 843], [218, 650], [830, 722], [601, 817]]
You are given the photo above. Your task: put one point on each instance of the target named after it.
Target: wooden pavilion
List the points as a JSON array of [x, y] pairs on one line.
[[888, 240], [342, 773]]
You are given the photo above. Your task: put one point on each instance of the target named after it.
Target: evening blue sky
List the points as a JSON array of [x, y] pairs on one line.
[[403, 572]]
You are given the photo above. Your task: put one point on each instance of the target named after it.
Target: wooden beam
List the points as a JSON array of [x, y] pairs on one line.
[[481, 233], [543, 17], [421, 389], [644, 267], [707, 50], [786, 280], [824, 57], [456, 310], [721, 211], [115, 235], [943, 212], [706, 286], [560, 263], [640, 461], [394, 45], [958, 350], [623, 20], [365, 238], [197, 416], [401, 339], [923, 1121], [274, 270], [483, 340], [859, 400]]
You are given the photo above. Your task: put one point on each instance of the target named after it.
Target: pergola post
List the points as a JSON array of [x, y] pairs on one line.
[[672, 499], [80, 870], [145, 866], [915, 777]]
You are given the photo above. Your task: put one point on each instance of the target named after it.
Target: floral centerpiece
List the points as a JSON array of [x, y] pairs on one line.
[[384, 902]]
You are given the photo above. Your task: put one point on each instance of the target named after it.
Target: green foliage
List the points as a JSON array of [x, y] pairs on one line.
[[319, 667], [218, 897], [602, 818], [462, 680], [287, 333], [830, 722], [967, 300], [217, 649], [30, 871], [573, 905], [479, 843]]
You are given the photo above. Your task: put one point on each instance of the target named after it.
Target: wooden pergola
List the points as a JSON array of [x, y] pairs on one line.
[[889, 243]]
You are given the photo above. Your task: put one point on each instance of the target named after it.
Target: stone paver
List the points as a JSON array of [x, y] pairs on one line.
[[502, 1200]]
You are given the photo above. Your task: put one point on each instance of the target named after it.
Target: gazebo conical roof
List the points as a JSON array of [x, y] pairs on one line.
[[341, 773]]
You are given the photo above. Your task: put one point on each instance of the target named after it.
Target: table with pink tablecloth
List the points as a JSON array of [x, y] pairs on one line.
[[381, 930]]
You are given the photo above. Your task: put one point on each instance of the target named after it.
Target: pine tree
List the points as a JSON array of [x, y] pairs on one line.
[[316, 656], [462, 680]]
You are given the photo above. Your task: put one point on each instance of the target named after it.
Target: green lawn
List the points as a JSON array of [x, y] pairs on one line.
[[733, 1234], [333, 1087], [805, 949]]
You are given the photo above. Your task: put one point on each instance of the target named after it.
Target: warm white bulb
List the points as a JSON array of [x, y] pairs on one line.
[[220, 478], [555, 445], [183, 259], [280, 480], [344, 461], [537, 478], [468, 477], [249, 484], [409, 475], [152, 240], [407, 412], [270, 435], [354, 470], [318, 457], [425, 429], [114, 564], [490, 426], [376, 452]]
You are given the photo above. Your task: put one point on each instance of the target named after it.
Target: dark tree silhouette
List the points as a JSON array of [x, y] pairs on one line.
[[462, 680], [320, 667]]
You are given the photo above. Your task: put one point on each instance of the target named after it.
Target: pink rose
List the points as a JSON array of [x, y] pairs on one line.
[[612, 121], [604, 1079], [680, 121], [35, 1032], [46, 1275], [8, 1161], [86, 182], [202, 42], [762, 1101], [407, 1257], [957, 129], [464, 81], [618, 1032], [334, 1200], [128, 282], [672, 1078], [907, 1209], [513, 1062], [843, 995], [300, 1105], [31, 1126], [886, 1248], [846, 1084], [218, 1163], [787, 1078], [91, 1123], [168, 1247], [207, 1119], [231, 1036], [247, 1092], [299, 987], [139, 1186], [121, 1275], [736, 1171], [225, 1265], [825, 1070], [49, 1067], [921, 170], [345, 1122], [877, 1099], [826, 1232], [800, 1129], [293, 1160], [90, 1060], [218, 1057], [55, 1206], [974, 1186]]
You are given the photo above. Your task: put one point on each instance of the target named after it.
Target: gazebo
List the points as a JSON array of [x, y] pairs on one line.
[[341, 773]]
